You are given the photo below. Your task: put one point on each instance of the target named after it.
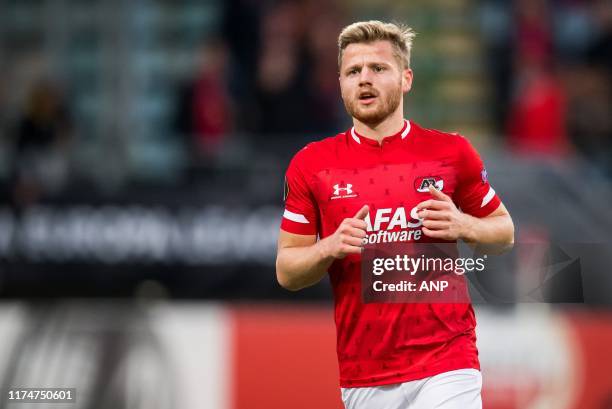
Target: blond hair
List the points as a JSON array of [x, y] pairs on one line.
[[399, 35]]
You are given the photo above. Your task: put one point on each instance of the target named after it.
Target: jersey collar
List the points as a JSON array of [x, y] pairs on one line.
[[367, 141]]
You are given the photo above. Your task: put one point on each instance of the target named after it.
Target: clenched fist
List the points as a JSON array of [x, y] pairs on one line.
[[441, 218], [348, 237]]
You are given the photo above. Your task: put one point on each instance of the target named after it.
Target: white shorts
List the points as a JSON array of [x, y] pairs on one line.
[[458, 389]]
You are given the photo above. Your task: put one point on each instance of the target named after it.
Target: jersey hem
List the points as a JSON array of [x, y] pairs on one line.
[[414, 376]]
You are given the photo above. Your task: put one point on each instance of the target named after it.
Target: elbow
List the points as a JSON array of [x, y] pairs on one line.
[[510, 241], [508, 244], [284, 281], [502, 243]]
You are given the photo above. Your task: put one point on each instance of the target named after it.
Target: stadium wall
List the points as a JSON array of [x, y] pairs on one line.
[[251, 356]]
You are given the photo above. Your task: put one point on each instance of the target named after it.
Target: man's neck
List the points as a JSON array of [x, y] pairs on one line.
[[390, 126]]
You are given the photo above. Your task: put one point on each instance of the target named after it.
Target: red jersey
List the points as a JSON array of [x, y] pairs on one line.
[[330, 180]]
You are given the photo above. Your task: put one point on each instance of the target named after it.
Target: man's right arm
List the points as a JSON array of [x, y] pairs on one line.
[[302, 261]]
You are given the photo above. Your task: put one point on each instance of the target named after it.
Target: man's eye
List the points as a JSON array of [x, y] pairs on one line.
[[379, 68], [353, 71]]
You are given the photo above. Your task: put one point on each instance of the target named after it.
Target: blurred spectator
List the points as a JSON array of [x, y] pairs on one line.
[[326, 115], [600, 51], [538, 113], [297, 86], [533, 31], [278, 77], [211, 110], [204, 114], [282, 85], [43, 135], [590, 88], [497, 29], [590, 119], [559, 91], [241, 27]]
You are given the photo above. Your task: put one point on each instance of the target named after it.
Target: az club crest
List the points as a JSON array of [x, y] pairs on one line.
[[422, 184]]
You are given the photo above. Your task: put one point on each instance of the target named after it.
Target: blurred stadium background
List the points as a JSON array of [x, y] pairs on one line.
[[142, 151]]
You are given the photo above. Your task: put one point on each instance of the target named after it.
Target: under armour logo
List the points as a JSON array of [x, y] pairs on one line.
[[348, 189]]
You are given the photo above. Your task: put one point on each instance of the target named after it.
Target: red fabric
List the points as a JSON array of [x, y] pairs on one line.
[[537, 122], [210, 112], [283, 357], [331, 180], [592, 336]]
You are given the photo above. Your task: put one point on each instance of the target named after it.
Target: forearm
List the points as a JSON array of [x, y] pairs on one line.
[[301, 267], [495, 233]]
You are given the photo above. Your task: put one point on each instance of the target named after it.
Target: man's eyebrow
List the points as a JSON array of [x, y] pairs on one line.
[[379, 63], [350, 67], [370, 64]]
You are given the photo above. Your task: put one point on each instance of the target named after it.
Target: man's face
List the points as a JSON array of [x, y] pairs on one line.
[[372, 81]]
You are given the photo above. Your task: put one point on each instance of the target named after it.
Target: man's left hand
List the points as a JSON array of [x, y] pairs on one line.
[[441, 218]]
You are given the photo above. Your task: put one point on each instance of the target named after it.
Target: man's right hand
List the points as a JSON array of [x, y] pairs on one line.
[[348, 238], [303, 261]]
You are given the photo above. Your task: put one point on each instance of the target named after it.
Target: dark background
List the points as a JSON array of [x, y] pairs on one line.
[[143, 145]]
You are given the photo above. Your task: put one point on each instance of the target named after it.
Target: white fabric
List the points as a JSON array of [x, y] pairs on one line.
[[404, 133], [407, 130], [488, 197], [295, 217], [354, 135], [459, 389]]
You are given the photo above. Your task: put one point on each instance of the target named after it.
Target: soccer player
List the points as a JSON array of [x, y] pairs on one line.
[[388, 173]]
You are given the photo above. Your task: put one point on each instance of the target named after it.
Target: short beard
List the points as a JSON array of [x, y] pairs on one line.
[[374, 117]]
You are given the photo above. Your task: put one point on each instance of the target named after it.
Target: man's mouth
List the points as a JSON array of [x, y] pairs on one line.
[[367, 97]]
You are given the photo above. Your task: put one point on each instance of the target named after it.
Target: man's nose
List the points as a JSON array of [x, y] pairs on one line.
[[365, 76]]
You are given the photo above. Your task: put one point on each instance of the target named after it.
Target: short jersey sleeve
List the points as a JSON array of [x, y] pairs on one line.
[[474, 194], [301, 212]]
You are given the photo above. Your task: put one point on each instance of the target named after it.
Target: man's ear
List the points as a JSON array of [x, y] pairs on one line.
[[406, 80]]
